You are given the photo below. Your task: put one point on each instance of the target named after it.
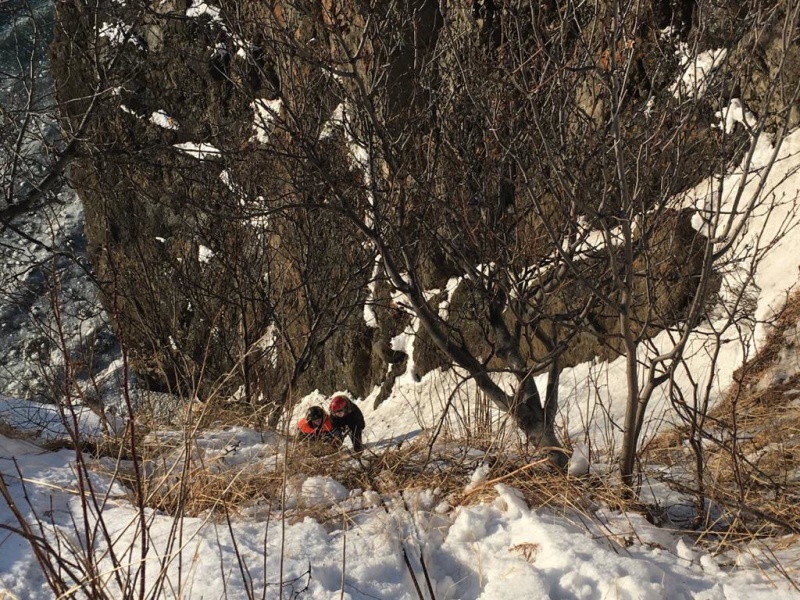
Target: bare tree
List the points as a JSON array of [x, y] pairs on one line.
[[517, 164], [651, 270]]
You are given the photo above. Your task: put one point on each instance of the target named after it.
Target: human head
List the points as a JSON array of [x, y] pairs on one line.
[[340, 405], [315, 416]]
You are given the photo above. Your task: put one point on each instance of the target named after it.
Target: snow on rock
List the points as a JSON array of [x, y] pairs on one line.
[[315, 492], [47, 422], [579, 461], [200, 151], [450, 288], [162, 119], [124, 108], [204, 254], [226, 178], [323, 491], [734, 113], [199, 8], [336, 120], [684, 552], [370, 318], [693, 81], [117, 34], [479, 476], [265, 112]]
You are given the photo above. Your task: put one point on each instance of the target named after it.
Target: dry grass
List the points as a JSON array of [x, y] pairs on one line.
[[751, 444], [222, 413], [181, 480], [751, 372]]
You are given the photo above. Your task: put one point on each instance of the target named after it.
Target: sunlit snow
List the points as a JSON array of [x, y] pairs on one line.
[[162, 119]]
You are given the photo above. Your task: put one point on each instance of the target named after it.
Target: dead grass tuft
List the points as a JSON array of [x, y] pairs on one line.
[[206, 490], [11, 432], [751, 444], [527, 551]]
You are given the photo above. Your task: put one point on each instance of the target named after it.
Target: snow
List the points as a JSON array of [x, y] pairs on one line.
[[117, 33], [199, 150], [493, 550], [450, 288], [199, 8], [204, 254], [736, 113], [693, 82], [579, 461], [370, 318], [265, 112], [129, 111], [46, 422], [162, 119]]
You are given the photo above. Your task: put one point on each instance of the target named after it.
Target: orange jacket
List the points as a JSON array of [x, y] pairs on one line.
[[306, 428]]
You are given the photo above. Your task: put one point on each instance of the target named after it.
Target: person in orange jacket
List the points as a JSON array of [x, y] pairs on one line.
[[316, 425]]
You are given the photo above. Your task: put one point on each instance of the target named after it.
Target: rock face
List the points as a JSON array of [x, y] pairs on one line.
[[231, 178]]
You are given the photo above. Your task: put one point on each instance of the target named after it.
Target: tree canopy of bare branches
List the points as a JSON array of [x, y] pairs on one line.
[[275, 190]]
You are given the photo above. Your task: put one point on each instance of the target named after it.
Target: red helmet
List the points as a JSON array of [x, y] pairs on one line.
[[339, 403]]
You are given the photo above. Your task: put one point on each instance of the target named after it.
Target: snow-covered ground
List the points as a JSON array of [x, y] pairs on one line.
[[358, 544], [496, 549]]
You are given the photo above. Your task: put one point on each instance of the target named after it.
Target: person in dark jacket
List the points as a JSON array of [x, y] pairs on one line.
[[317, 425], [347, 420]]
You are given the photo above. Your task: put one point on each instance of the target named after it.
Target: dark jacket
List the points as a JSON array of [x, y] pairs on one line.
[[351, 424]]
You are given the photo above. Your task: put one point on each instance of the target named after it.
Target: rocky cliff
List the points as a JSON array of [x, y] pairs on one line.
[[237, 156]]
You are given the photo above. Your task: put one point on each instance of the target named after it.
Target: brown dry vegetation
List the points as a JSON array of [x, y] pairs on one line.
[[181, 479], [197, 486], [752, 442]]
